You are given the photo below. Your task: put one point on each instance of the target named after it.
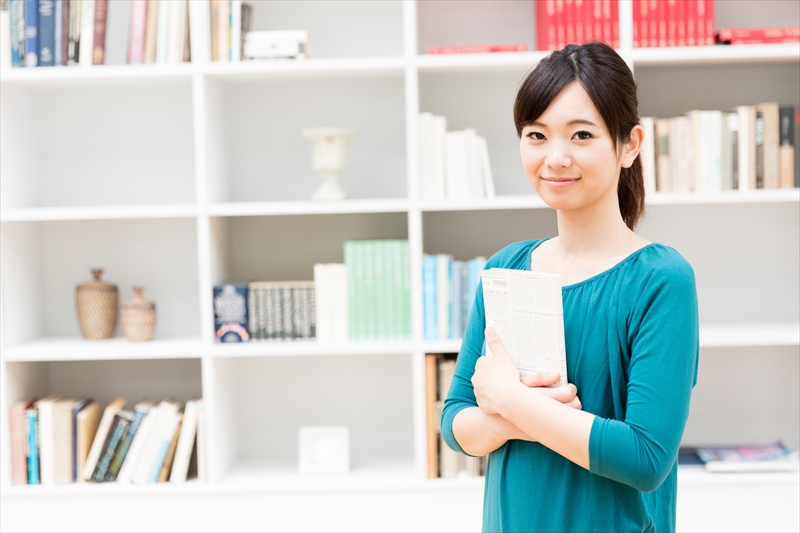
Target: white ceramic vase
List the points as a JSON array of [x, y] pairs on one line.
[[329, 158]]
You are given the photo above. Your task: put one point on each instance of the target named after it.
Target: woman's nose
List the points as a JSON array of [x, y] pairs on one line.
[[558, 156]]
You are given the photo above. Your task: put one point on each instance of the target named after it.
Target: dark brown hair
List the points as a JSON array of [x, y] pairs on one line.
[[610, 84]]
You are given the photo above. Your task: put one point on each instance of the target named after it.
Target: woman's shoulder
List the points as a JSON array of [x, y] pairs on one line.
[[515, 255], [658, 261]]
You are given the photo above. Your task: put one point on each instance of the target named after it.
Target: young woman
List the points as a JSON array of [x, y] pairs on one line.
[[599, 454]]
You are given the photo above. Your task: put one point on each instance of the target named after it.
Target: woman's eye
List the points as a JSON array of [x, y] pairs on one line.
[[583, 135], [536, 136]]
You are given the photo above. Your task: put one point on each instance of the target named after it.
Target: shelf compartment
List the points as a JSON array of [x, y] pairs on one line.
[[72, 349], [35, 214], [256, 150], [257, 248], [260, 404], [232, 209], [63, 144], [104, 381], [43, 262]]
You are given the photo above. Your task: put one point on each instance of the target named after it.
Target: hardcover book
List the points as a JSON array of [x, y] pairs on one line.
[[230, 312], [772, 457]]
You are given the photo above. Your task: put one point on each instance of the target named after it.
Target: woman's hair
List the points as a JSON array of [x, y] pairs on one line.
[[610, 84]]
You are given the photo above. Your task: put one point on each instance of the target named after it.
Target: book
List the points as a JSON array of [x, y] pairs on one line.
[[86, 55], [151, 458], [230, 312], [99, 34], [119, 427], [47, 33], [16, 15], [47, 444], [73, 32], [477, 49], [772, 457], [60, 12], [18, 445], [32, 440], [531, 325], [5, 35], [786, 141], [785, 34], [185, 442], [31, 22], [166, 466], [432, 423], [99, 440], [86, 420], [140, 410], [63, 439], [771, 150], [118, 26], [130, 464], [200, 30]]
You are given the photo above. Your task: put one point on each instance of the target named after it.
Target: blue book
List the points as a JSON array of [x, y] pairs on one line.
[[429, 304], [32, 416], [474, 268], [59, 33], [456, 299], [47, 33], [31, 33], [76, 408], [17, 14]]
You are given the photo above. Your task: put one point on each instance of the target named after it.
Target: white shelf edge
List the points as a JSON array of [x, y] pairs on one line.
[[750, 334], [65, 349], [522, 201], [301, 348], [696, 476], [233, 209], [44, 214], [725, 197], [717, 54]]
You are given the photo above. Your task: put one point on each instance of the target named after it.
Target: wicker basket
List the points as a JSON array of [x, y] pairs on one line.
[[96, 301], [138, 317]]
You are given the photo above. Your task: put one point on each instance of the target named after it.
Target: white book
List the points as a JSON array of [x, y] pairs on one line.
[[5, 39], [163, 419], [177, 31], [747, 147], [118, 29], [526, 309], [224, 31], [200, 30], [167, 432], [455, 164], [202, 474], [87, 33], [730, 134], [236, 31], [473, 165], [186, 440], [341, 303], [162, 34], [323, 288], [647, 154], [713, 125], [47, 444], [100, 437], [128, 467], [486, 171]]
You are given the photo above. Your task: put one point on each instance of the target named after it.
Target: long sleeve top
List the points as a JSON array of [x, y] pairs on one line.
[[632, 345]]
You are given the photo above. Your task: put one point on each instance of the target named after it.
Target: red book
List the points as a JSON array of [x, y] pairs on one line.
[[545, 25], [652, 18], [672, 22], [709, 14], [680, 24], [569, 20], [477, 49], [789, 34], [99, 41], [661, 15], [580, 22], [585, 15], [614, 23], [560, 21], [18, 433], [637, 22], [597, 20]]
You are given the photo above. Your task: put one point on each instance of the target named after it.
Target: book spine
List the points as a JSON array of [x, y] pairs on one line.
[[759, 35], [118, 430], [31, 33], [429, 293], [139, 9], [31, 416], [478, 49], [87, 32], [73, 32], [124, 445], [47, 33], [786, 137], [16, 12], [58, 35], [99, 39]]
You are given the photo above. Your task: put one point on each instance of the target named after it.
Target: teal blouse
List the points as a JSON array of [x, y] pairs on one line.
[[632, 346]]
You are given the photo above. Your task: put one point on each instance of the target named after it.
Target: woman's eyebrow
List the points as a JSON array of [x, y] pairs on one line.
[[572, 122]]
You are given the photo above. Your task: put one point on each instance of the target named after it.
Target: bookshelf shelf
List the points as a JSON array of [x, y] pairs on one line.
[[179, 177]]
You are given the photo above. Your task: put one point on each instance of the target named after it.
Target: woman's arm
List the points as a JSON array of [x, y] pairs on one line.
[[539, 417], [479, 433]]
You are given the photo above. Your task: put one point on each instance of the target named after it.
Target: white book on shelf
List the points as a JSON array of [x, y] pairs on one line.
[[425, 155], [177, 31], [200, 30], [747, 147], [5, 39], [438, 178], [341, 303], [186, 440], [323, 288], [224, 31], [236, 31], [163, 420], [455, 164], [473, 164], [87, 33], [730, 132], [47, 443], [486, 171], [162, 34], [139, 439]]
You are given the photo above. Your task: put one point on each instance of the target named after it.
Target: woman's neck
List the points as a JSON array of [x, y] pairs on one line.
[[596, 234]]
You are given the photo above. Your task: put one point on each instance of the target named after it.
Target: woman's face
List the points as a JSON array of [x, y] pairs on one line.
[[568, 154]]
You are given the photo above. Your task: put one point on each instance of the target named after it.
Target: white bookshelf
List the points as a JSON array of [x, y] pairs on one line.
[[179, 177]]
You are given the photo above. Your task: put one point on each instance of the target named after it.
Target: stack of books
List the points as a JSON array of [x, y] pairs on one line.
[[448, 293]]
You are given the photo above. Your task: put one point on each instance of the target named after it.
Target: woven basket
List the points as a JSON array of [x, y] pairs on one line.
[[96, 301], [138, 317]]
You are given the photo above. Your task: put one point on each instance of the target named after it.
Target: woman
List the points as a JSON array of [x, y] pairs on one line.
[[599, 454]]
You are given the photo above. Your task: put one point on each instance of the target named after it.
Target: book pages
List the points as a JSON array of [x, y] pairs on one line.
[[525, 308]]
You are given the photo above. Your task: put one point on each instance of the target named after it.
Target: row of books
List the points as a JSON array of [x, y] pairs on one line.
[[366, 298], [660, 23], [281, 310], [747, 148], [772, 457], [40, 33], [561, 22], [60, 440], [452, 164], [442, 461], [448, 294]]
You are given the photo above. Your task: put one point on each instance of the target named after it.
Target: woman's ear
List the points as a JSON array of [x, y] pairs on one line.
[[631, 148]]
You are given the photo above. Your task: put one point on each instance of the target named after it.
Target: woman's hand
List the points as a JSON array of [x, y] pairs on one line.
[[496, 379]]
